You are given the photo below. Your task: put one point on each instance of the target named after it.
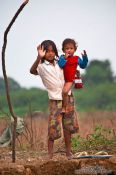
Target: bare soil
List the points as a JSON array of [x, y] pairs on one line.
[[35, 163]]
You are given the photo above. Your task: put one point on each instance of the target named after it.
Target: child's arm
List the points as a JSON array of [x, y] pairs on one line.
[[41, 53], [61, 61], [83, 62], [33, 69]]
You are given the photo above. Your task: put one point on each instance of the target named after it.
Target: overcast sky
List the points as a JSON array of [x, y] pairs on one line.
[[92, 23]]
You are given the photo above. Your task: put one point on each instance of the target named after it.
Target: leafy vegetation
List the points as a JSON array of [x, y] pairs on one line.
[[12, 84], [25, 101], [100, 97], [101, 138], [98, 72]]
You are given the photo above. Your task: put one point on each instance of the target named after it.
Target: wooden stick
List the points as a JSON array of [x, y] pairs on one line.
[[6, 79]]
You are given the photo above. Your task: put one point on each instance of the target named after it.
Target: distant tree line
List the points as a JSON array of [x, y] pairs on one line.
[[99, 72], [99, 92], [12, 83]]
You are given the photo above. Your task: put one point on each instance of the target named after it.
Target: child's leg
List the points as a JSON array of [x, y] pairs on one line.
[[70, 124], [50, 148], [54, 124], [65, 91], [67, 138]]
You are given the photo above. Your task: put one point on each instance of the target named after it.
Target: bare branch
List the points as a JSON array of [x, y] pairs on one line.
[[6, 79]]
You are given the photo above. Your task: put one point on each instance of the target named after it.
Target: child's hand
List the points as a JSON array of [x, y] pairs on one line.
[[67, 55], [41, 51], [84, 54], [85, 59]]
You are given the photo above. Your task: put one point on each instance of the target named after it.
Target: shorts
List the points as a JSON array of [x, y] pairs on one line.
[[56, 120]]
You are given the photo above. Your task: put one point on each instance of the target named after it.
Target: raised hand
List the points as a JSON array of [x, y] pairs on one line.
[[41, 51], [84, 53]]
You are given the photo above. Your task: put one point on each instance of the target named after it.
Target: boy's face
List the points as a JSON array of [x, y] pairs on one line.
[[50, 54], [69, 49]]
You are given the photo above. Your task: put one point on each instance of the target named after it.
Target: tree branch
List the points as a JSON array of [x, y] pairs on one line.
[[6, 79]]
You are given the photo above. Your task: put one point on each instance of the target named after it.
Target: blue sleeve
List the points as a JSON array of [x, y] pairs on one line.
[[62, 61], [83, 62]]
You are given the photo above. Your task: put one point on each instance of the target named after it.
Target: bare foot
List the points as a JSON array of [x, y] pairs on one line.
[[69, 155], [50, 156], [47, 157], [63, 111]]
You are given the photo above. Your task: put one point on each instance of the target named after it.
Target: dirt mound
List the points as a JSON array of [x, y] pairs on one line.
[[58, 166]]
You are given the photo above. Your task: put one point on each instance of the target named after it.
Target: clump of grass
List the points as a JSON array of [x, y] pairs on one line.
[[101, 138]]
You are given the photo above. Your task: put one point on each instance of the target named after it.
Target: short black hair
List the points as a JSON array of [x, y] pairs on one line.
[[67, 41], [47, 43]]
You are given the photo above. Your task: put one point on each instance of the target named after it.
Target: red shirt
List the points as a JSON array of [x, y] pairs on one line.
[[70, 68]]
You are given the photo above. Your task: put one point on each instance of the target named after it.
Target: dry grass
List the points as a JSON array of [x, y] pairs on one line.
[[34, 135], [88, 121]]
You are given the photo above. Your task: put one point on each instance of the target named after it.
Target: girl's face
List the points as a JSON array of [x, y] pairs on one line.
[[69, 49], [50, 54]]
